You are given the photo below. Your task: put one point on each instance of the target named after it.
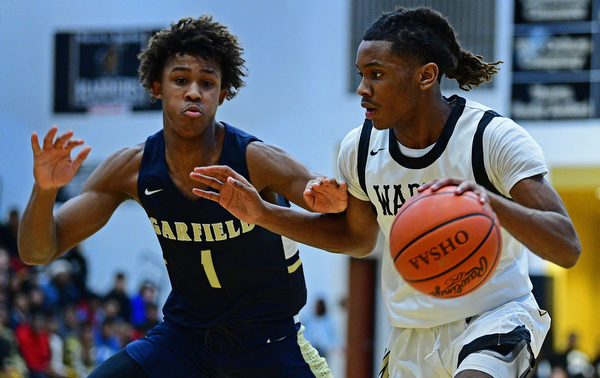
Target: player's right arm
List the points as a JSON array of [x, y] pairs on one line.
[[352, 232], [44, 234]]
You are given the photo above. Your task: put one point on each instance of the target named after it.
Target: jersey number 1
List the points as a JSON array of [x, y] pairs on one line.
[[209, 269]]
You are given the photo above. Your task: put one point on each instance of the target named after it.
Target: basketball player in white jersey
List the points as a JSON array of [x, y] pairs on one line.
[[415, 138]]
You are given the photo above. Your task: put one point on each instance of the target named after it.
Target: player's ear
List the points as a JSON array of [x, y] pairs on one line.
[[222, 96], [428, 75], [157, 90]]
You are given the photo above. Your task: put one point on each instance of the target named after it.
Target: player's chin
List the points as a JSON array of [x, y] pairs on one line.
[[380, 124]]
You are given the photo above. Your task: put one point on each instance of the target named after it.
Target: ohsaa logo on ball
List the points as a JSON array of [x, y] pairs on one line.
[[445, 245]]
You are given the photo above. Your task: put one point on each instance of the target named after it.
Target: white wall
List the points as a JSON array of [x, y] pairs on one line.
[[296, 97]]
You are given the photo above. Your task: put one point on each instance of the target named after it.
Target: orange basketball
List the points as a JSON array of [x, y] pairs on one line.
[[445, 245]]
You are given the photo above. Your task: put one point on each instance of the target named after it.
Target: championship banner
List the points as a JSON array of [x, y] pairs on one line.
[[96, 72]]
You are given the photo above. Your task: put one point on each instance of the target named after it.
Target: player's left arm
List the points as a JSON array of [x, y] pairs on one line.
[[272, 168], [538, 218]]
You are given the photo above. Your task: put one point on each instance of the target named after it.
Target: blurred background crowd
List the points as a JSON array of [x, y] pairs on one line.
[[52, 325]]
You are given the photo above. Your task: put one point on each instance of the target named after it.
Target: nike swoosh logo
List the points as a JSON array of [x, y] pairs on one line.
[[373, 152], [151, 192], [274, 341]]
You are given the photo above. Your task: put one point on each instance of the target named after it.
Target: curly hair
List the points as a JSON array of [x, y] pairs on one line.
[[201, 36], [423, 35]]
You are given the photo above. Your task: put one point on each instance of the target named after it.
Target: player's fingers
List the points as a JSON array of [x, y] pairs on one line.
[[81, 156], [72, 143], [206, 194], [308, 198], [49, 138], [35, 143], [220, 172], [207, 180], [61, 140], [426, 185], [239, 185]]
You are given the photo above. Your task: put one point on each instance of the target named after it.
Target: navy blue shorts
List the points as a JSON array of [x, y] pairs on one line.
[[238, 350]]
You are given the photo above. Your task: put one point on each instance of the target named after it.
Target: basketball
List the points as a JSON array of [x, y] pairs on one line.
[[445, 245]]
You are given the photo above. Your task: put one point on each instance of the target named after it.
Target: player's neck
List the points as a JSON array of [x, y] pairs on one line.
[[426, 125], [198, 150]]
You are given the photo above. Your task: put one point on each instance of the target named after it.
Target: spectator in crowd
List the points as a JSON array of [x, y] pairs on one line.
[[60, 290], [106, 342], [79, 269], [320, 329], [34, 345], [146, 295], [11, 362], [151, 318], [5, 268], [79, 352], [8, 232], [119, 294], [19, 310], [58, 369]]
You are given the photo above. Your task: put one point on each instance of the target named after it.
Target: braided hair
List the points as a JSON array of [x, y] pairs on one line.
[[201, 36], [422, 35]]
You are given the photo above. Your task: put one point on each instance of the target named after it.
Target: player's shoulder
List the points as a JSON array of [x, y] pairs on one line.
[[126, 157], [499, 123], [118, 173], [352, 138]]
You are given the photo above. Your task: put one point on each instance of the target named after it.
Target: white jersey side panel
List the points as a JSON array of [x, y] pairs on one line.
[[510, 155]]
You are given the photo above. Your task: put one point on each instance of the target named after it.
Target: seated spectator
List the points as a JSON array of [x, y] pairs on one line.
[[107, 341], [58, 369], [11, 363], [145, 295], [19, 309], [119, 294], [151, 319], [60, 290], [79, 352], [34, 345], [79, 268]]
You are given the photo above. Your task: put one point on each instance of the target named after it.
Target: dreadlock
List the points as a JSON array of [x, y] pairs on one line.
[[423, 35]]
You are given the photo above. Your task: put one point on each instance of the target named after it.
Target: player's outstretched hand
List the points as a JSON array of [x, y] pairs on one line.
[[461, 187], [235, 193], [52, 163], [326, 195]]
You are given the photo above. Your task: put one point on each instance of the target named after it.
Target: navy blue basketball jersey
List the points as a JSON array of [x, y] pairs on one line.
[[221, 269]]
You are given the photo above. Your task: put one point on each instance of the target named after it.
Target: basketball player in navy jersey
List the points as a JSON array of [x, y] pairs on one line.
[[236, 287], [415, 138]]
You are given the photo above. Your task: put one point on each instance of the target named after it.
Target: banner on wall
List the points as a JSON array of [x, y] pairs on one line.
[[97, 72], [556, 69]]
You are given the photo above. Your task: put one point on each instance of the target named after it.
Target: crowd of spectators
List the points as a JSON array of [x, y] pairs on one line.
[[52, 325]]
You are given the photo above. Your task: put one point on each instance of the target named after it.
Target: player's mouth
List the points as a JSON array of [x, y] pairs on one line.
[[192, 111], [370, 110]]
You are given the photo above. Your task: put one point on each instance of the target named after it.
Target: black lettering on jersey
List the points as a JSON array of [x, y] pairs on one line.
[[384, 198], [398, 198], [413, 189]]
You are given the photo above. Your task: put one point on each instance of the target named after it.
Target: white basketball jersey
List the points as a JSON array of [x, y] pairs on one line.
[[392, 175]]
